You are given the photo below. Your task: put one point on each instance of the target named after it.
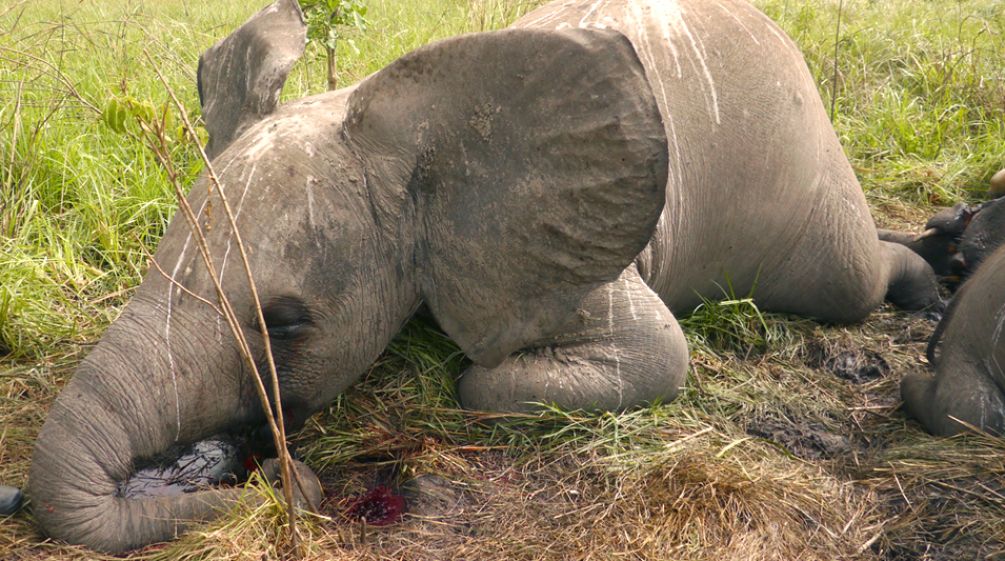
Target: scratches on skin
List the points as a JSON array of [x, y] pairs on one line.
[[772, 27], [174, 376], [999, 325], [264, 142], [645, 43], [637, 23], [614, 347], [170, 306], [167, 325], [739, 22], [669, 20], [583, 22], [547, 17], [697, 48], [995, 337], [237, 215], [309, 188], [628, 296]]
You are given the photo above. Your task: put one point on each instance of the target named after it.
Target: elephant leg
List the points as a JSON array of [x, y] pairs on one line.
[[623, 348], [961, 391], [911, 283]]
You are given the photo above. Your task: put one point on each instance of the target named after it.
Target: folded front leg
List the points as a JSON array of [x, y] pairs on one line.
[[623, 348]]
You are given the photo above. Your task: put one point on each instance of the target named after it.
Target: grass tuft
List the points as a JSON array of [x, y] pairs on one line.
[[733, 325]]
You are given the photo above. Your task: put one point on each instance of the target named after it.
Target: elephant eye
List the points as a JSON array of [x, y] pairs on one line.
[[286, 317]]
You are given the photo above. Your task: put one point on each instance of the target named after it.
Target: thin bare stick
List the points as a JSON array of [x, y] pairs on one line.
[[179, 285], [155, 140], [274, 416], [16, 131]]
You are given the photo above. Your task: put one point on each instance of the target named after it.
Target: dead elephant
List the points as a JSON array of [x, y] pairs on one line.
[[553, 193], [966, 353]]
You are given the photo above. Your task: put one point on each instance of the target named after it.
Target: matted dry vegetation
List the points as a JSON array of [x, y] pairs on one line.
[[788, 443]]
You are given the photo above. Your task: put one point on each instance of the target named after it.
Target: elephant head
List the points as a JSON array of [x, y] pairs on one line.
[[496, 177], [957, 240], [939, 243], [984, 234]]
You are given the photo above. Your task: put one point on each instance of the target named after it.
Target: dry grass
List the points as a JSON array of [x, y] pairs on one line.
[[772, 457]]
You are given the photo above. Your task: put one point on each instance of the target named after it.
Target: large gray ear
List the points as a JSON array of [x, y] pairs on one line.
[[538, 164], [240, 77]]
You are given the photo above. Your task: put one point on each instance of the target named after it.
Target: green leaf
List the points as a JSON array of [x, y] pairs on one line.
[[324, 17], [114, 115], [142, 110]]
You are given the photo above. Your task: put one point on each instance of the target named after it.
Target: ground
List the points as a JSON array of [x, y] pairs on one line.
[[787, 444]]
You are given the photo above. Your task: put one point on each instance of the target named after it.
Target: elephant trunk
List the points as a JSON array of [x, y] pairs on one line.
[[119, 410]]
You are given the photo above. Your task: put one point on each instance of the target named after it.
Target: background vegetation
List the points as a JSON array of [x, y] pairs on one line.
[[770, 453]]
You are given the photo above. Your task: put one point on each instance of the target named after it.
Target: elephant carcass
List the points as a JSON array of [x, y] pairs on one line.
[[965, 391], [957, 240], [553, 193]]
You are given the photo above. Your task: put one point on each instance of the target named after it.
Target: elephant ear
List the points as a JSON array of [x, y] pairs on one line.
[[537, 161], [240, 77]]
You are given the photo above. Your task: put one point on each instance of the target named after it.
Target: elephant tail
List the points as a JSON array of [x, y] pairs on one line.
[[936, 338]]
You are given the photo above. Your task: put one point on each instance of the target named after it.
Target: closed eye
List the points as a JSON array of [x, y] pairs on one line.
[[286, 318]]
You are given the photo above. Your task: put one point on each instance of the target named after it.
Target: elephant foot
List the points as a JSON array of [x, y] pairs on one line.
[[916, 392], [623, 349], [954, 401]]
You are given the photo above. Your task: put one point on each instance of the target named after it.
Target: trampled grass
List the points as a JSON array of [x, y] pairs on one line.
[[768, 454]]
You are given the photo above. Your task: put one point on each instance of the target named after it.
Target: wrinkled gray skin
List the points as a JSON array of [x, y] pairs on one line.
[[553, 193], [968, 382]]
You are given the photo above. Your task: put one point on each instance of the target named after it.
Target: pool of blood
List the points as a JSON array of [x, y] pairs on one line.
[[378, 507]]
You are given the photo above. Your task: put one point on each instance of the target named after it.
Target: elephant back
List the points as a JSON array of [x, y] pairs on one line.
[[757, 178]]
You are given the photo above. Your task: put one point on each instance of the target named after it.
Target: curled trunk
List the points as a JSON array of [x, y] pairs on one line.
[[106, 422]]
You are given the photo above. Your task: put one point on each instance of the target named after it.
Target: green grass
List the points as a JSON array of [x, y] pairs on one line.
[[920, 96], [920, 109]]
